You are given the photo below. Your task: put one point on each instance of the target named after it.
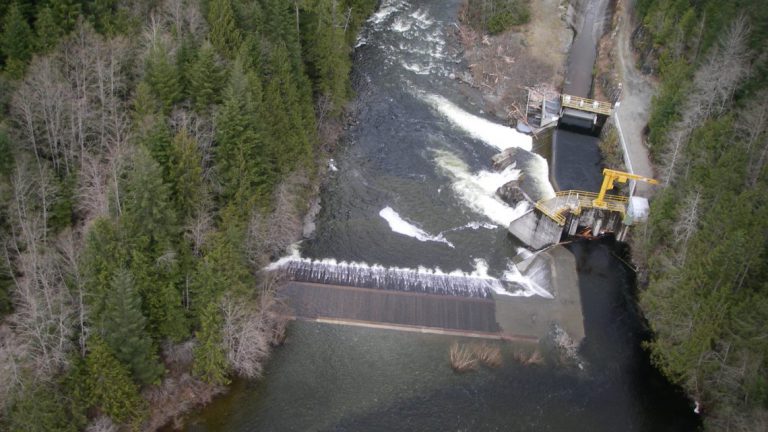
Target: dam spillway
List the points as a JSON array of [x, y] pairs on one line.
[[541, 295]]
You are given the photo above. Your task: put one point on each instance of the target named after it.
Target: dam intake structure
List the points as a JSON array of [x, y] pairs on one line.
[[581, 205]]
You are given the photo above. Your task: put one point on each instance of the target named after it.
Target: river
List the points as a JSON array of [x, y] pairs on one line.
[[412, 188]]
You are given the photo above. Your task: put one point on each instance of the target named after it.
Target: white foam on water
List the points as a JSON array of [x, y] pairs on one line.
[[422, 18], [478, 190], [474, 225], [332, 165], [531, 283], [495, 135], [401, 24], [386, 9], [361, 274], [401, 226], [417, 69], [539, 169], [477, 283]]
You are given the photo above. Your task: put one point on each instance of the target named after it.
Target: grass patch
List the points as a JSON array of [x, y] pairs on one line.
[[610, 148]]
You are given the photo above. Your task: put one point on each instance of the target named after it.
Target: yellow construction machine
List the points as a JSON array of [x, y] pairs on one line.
[[609, 178]]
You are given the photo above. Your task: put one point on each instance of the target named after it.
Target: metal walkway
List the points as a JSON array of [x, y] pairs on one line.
[[574, 201]]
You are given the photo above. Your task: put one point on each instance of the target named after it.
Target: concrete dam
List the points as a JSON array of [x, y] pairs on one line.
[[387, 274]]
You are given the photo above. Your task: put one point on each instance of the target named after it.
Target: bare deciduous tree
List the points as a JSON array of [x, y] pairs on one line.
[[69, 244], [93, 188], [42, 306], [714, 83], [246, 334], [102, 423], [184, 17], [285, 222], [687, 224], [11, 351]]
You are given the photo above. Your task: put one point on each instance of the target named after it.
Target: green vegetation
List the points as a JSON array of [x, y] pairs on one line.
[[610, 148], [496, 16], [153, 156], [704, 252]]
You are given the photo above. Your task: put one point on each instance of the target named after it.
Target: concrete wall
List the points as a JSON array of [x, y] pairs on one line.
[[536, 230]]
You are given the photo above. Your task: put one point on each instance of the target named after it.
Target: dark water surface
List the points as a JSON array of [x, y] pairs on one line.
[[335, 378], [421, 147]]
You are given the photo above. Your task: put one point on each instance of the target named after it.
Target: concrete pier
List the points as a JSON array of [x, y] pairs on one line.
[[535, 316], [536, 230]]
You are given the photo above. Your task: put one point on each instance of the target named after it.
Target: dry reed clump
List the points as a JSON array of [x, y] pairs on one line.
[[525, 357], [488, 355], [462, 358], [465, 358]]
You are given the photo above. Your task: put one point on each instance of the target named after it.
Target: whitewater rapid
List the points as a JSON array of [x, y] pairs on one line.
[[478, 190], [401, 226], [493, 134], [477, 283]]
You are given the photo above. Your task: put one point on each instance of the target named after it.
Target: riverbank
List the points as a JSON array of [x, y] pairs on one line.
[[616, 76], [504, 66]]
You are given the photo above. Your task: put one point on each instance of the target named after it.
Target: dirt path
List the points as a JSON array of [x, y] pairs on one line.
[[634, 110]]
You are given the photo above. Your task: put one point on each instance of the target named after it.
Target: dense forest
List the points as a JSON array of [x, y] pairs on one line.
[[154, 154], [704, 253]]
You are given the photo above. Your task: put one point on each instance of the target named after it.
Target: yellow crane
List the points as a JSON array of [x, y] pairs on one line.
[[610, 177]]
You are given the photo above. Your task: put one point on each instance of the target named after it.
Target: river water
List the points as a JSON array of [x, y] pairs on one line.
[[412, 188]]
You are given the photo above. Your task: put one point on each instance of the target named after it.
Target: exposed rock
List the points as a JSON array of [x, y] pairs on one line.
[[512, 194]]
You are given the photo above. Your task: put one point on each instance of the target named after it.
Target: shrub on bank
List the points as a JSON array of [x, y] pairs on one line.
[[496, 16]]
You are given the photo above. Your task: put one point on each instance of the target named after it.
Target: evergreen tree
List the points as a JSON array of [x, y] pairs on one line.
[[123, 329], [148, 214], [328, 55], [105, 253], [250, 55], [280, 24], [288, 126], [102, 13], [242, 157], [250, 17], [163, 77], [65, 13], [144, 104], [17, 42], [224, 33], [47, 30], [149, 220], [227, 255], [205, 78], [207, 284], [155, 136], [156, 279], [187, 175], [210, 360], [40, 409], [109, 383]]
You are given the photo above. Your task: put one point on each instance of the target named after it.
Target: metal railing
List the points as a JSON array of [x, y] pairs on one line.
[[573, 201], [584, 104]]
